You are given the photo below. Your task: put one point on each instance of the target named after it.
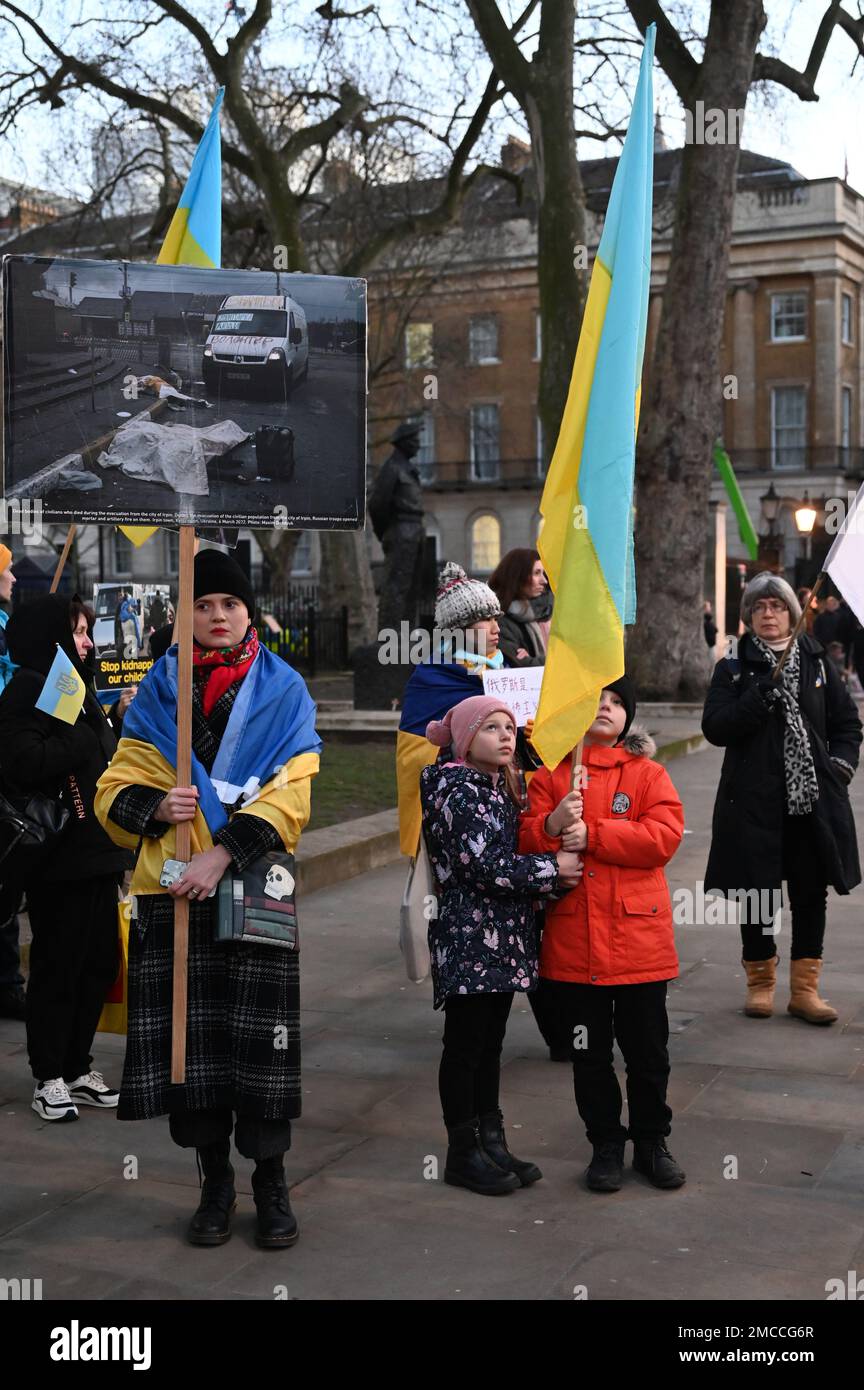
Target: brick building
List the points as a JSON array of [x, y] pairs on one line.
[[792, 341]]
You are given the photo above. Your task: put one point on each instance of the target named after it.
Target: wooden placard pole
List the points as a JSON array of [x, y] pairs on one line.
[[576, 768], [64, 556], [796, 631], [183, 634]]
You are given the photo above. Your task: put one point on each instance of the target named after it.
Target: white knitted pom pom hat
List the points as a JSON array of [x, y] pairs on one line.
[[461, 601]]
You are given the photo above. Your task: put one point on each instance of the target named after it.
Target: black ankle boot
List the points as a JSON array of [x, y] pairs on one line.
[[468, 1165], [277, 1224], [652, 1158], [211, 1224], [605, 1172], [494, 1142]]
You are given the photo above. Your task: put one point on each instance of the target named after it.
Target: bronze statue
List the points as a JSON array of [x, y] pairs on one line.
[[396, 512]]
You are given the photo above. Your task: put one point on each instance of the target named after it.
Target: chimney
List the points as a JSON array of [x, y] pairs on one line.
[[515, 155], [659, 137], [338, 176]]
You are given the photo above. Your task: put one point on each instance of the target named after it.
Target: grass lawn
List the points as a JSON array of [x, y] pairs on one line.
[[356, 779]]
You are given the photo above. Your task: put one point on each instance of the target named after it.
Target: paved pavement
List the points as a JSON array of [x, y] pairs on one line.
[[778, 1102]]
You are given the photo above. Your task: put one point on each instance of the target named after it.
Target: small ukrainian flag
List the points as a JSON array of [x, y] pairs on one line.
[[63, 692]]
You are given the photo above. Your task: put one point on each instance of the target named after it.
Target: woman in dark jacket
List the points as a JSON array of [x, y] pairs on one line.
[[782, 807], [72, 900], [526, 606]]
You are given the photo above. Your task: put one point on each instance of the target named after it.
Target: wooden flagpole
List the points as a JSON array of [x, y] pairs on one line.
[[61, 563], [798, 626], [183, 634], [576, 768]]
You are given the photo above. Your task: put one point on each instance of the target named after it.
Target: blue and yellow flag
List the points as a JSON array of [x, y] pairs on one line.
[[63, 692], [195, 234], [586, 539]]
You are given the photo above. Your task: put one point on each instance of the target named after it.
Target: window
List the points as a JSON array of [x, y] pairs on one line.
[[425, 459], [788, 426], [846, 318], [302, 561], [172, 546], [485, 543], [788, 317], [122, 553], [484, 442], [538, 336], [483, 339], [418, 345], [845, 424], [433, 533]]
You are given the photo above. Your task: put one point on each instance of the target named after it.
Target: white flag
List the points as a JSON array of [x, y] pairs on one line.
[[845, 561]]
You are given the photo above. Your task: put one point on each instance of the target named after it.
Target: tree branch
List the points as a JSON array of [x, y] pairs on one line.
[[673, 55], [803, 84], [499, 41]]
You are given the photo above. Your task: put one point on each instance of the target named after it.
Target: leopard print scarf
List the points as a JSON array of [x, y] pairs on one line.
[[802, 788]]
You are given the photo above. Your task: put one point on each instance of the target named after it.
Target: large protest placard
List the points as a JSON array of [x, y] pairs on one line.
[[174, 395]]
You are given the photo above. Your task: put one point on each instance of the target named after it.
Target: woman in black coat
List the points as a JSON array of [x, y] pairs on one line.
[[72, 899], [782, 807], [526, 607]]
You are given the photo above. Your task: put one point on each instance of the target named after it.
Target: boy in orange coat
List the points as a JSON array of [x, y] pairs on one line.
[[608, 948]]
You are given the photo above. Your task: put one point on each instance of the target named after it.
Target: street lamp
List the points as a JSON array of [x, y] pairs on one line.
[[805, 516], [770, 541], [770, 504], [805, 520]]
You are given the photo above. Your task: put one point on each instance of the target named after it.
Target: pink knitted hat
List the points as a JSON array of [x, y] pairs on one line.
[[461, 723]]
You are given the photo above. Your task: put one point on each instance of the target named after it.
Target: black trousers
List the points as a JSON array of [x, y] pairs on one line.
[[635, 1017], [10, 901], [73, 964], [253, 1138], [808, 898], [470, 1070]]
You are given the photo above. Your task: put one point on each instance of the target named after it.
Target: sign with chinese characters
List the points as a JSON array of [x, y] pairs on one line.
[[519, 689]]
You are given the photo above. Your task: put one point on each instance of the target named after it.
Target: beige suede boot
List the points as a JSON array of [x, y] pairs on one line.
[[761, 979], [804, 1001]]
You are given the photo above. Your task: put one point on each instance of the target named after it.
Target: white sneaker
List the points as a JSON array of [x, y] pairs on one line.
[[52, 1100], [91, 1090]]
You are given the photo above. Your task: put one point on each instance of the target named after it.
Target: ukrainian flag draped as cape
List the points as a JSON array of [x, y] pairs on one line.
[[586, 540], [431, 690]]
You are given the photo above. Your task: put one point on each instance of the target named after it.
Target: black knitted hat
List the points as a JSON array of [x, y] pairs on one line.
[[218, 573], [626, 691]]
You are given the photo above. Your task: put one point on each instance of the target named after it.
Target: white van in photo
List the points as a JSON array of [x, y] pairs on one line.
[[257, 341]]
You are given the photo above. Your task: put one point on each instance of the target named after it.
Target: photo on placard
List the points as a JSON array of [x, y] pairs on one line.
[[175, 395], [127, 615]]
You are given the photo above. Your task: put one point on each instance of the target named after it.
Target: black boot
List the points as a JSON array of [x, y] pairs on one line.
[[605, 1172], [211, 1224], [494, 1142], [277, 1224], [467, 1164], [652, 1158]]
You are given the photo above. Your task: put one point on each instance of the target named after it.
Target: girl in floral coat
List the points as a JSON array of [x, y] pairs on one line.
[[482, 939]]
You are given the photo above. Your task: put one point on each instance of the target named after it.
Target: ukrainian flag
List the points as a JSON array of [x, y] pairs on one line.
[[63, 692], [586, 538], [195, 234]]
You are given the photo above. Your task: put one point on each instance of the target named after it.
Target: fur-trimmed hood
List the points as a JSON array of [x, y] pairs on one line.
[[639, 742]]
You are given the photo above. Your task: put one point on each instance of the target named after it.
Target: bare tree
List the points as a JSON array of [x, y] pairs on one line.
[[681, 412], [282, 124]]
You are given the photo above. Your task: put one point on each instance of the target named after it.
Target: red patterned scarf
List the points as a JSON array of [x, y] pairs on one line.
[[215, 668]]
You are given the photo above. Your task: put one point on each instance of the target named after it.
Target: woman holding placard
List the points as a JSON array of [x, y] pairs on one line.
[[255, 752]]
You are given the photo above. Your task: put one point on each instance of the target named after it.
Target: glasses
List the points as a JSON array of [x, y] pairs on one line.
[[769, 605]]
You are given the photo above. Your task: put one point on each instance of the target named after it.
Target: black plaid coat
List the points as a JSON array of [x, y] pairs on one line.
[[243, 1030]]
